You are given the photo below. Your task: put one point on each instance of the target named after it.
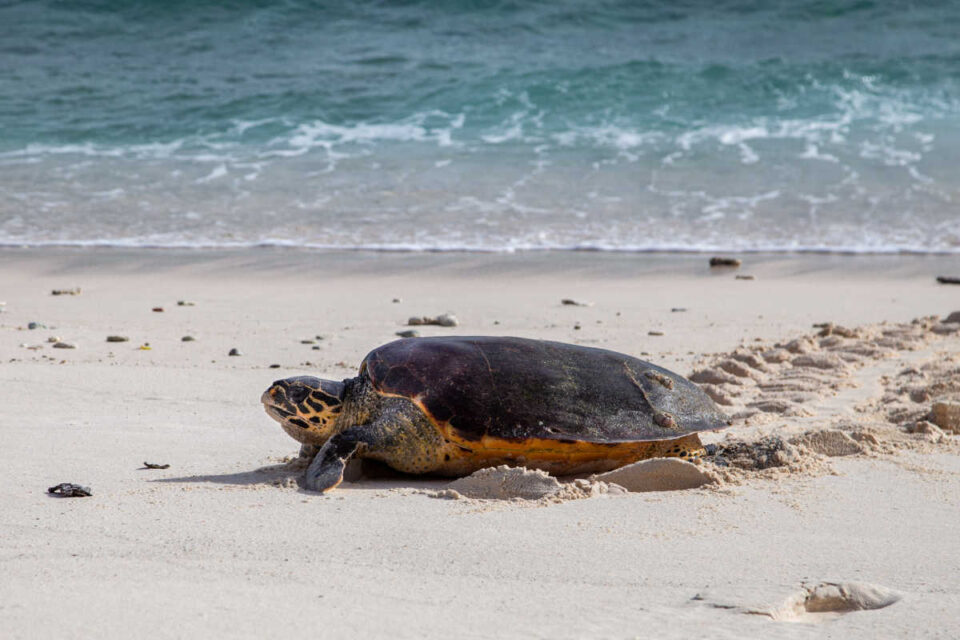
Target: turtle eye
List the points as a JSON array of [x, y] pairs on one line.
[[297, 394]]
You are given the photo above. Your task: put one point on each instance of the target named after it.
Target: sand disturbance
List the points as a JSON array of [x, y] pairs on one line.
[[812, 603], [659, 474], [519, 483], [840, 391]]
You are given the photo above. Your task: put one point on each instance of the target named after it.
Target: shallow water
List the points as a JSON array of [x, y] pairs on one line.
[[482, 125]]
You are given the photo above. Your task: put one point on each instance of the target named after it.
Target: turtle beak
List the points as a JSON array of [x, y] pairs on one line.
[[269, 397], [275, 400]]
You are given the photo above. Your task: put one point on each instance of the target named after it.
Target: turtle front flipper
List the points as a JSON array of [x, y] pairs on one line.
[[326, 470]]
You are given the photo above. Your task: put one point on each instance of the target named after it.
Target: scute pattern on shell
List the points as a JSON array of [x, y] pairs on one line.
[[518, 389]]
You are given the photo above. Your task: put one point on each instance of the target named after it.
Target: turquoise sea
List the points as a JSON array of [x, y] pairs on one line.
[[480, 125]]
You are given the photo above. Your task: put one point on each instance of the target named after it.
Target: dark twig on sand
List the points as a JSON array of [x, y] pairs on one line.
[[151, 465], [948, 280]]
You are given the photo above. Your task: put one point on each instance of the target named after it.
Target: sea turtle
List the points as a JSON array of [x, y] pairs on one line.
[[452, 405]]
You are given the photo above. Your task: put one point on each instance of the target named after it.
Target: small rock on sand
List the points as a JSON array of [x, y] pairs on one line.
[[234, 352], [64, 345], [443, 320], [187, 339], [66, 292], [948, 280], [118, 339], [720, 261], [953, 317], [185, 303], [409, 333], [36, 325], [654, 333], [746, 277], [658, 474], [158, 309], [946, 415], [575, 303]]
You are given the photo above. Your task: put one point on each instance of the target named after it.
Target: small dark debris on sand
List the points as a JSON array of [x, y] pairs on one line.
[[719, 261], [575, 303], [397, 300], [745, 277], [153, 465], [443, 320], [185, 303], [64, 345], [274, 366], [118, 339], [69, 490], [36, 325], [158, 309], [676, 310], [187, 339], [409, 333], [234, 352], [654, 333], [66, 292], [948, 280]]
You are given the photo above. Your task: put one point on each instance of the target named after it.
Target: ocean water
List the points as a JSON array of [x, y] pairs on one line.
[[480, 125]]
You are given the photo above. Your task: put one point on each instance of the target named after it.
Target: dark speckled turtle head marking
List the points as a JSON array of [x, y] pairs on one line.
[[306, 407]]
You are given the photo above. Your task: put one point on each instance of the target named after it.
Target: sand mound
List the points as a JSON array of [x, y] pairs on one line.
[[659, 474], [512, 483]]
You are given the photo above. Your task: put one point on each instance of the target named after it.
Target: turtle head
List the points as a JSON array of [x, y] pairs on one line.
[[307, 408]]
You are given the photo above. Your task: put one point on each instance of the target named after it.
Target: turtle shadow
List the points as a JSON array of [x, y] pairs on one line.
[[261, 475], [362, 475]]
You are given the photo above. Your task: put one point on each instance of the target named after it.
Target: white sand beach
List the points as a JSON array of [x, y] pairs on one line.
[[224, 542]]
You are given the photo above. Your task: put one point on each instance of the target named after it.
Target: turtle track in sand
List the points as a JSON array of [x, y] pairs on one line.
[[840, 391]]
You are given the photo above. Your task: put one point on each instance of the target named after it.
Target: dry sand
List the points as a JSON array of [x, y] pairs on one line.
[[828, 509]]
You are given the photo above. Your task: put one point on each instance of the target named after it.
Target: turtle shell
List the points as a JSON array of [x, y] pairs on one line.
[[518, 389]]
